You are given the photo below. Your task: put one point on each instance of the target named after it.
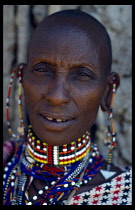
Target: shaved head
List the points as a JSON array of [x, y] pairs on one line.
[[76, 22], [67, 75]]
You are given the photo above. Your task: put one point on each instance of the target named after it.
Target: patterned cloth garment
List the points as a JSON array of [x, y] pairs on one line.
[[117, 191]]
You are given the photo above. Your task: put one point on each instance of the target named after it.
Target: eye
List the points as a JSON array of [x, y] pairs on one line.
[[41, 70], [83, 74]]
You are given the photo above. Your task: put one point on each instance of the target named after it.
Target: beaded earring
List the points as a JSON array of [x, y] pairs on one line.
[[111, 135], [18, 72]]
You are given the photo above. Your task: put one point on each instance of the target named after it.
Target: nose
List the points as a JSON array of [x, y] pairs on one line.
[[58, 92]]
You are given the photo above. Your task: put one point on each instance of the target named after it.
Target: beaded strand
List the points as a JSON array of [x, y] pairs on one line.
[[111, 135], [17, 71]]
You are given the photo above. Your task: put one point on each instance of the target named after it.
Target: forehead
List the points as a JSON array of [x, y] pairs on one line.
[[67, 42]]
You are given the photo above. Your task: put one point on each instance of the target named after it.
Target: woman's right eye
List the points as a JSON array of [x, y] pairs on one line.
[[41, 70]]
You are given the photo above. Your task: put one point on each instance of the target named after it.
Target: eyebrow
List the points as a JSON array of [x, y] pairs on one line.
[[71, 65]]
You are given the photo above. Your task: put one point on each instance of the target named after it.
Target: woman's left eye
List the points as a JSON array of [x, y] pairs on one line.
[[83, 74]]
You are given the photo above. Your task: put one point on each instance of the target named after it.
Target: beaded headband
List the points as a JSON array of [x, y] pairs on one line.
[[40, 152]]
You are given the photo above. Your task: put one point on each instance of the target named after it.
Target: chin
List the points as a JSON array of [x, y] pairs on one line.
[[56, 139]]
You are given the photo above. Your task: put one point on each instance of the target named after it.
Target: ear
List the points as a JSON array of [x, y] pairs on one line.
[[106, 99]]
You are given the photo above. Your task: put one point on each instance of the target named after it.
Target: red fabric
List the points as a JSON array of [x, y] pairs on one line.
[[8, 149]]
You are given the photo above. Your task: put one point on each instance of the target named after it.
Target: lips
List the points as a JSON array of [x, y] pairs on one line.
[[56, 122]]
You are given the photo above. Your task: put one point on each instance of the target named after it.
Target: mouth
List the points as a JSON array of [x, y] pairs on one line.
[[56, 122]]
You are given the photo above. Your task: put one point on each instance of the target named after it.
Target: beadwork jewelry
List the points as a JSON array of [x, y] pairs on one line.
[[111, 135], [40, 152], [18, 72], [19, 175]]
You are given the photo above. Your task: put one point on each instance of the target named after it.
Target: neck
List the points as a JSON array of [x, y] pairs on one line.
[[39, 152]]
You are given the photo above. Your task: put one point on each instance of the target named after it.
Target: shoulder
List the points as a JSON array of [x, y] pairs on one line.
[[8, 150]]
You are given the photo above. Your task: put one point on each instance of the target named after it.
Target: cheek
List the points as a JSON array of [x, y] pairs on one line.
[[31, 95], [89, 102]]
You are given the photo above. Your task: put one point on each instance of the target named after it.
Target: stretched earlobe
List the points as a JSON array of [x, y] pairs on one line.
[[107, 97]]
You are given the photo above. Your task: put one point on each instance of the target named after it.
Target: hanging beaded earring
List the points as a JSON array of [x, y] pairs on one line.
[[18, 72], [111, 136]]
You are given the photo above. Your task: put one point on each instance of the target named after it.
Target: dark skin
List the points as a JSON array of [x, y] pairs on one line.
[[65, 79]]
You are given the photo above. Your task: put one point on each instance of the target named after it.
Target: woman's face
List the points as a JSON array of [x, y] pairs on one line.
[[63, 84]]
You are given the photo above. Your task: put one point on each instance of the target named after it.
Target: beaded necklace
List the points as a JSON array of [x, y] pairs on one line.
[[40, 152], [59, 180]]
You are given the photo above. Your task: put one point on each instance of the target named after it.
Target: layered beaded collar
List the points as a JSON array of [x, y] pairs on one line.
[[78, 167], [39, 152]]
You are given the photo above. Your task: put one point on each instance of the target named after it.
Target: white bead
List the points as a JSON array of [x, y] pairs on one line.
[[64, 150], [60, 158], [85, 181], [12, 177], [40, 192], [44, 203], [6, 169], [73, 155], [35, 197], [9, 164], [7, 100], [30, 160], [93, 154], [46, 187], [29, 203], [52, 183], [12, 184], [65, 185], [72, 183], [55, 147], [4, 176], [55, 152]]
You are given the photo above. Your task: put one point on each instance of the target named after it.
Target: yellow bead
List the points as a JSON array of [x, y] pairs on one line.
[[61, 163]]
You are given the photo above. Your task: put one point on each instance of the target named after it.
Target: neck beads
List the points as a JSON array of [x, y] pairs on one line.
[[62, 169]]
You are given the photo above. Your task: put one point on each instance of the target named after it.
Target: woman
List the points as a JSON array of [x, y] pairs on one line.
[[67, 78]]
